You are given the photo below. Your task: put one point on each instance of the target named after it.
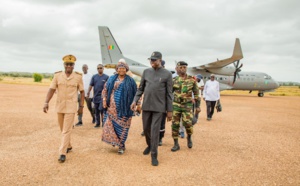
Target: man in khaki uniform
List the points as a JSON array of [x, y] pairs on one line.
[[67, 84]]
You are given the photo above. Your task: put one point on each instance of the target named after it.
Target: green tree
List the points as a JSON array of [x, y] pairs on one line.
[[37, 77]]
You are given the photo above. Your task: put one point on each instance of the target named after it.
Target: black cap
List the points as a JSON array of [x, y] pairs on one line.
[[155, 55], [181, 63]]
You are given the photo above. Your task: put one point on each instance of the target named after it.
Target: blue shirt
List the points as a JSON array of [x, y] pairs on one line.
[[98, 82]]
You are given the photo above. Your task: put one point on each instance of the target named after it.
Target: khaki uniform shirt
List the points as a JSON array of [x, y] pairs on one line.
[[67, 88]]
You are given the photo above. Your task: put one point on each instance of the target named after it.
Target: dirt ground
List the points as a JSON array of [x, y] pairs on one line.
[[253, 141]]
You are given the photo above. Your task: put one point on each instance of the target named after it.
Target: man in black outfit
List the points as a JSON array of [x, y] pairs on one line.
[[156, 85]]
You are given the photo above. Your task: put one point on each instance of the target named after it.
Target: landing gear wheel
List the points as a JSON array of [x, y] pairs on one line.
[[260, 94]]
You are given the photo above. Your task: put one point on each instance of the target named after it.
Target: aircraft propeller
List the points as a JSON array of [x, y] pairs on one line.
[[237, 70]]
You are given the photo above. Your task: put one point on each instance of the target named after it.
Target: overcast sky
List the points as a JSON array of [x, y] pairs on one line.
[[36, 34]]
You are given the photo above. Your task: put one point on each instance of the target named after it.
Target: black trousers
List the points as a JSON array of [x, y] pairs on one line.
[[89, 106], [151, 125], [163, 126], [210, 108]]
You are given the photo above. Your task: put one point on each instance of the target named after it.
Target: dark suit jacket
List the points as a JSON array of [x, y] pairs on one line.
[[156, 85]]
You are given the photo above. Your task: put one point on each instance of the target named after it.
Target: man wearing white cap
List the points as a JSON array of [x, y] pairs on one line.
[[211, 94]]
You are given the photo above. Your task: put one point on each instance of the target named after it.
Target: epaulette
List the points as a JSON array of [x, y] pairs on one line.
[[191, 77], [57, 72], [78, 73]]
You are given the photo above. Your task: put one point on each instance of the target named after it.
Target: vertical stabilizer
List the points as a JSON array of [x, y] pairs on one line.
[[110, 51], [237, 51]]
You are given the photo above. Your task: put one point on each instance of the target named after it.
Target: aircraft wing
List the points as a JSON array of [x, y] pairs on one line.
[[237, 55]]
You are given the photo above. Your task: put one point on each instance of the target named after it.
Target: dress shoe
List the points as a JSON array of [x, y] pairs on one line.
[[69, 149], [154, 160], [146, 151], [62, 158], [79, 124], [97, 126]]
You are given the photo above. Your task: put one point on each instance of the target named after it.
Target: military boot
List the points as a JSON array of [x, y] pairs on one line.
[[176, 146], [189, 141]]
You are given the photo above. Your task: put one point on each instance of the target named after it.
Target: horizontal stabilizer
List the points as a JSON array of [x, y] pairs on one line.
[[237, 55]]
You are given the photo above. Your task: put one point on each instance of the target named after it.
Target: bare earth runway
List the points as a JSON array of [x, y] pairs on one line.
[[254, 141]]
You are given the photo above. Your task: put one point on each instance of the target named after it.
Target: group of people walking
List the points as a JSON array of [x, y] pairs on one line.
[[116, 98]]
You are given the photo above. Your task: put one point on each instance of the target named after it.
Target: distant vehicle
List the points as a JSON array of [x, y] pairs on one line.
[[229, 77]]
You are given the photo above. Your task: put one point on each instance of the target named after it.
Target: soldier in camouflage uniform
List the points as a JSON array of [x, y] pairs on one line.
[[186, 93]]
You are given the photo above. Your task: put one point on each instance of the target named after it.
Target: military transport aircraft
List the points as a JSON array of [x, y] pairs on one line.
[[229, 77]]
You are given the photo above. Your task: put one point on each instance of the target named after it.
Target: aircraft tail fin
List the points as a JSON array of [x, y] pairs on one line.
[[237, 51], [110, 51]]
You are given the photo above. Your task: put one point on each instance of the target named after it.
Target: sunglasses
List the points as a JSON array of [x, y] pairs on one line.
[[100, 68], [69, 64], [152, 60]]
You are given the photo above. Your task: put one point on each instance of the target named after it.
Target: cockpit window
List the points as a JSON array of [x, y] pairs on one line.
[[267, 77]]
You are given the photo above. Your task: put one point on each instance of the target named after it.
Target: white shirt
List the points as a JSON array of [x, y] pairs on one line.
[[211, 91], [86, 78], [200, 84]]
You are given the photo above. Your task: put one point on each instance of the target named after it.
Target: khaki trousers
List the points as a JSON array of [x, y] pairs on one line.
[[66, 122]]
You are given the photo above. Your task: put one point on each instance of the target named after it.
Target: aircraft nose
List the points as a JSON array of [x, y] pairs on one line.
[[276, 84]]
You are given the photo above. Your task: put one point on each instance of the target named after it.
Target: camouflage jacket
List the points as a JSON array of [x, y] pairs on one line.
[[184, 89]]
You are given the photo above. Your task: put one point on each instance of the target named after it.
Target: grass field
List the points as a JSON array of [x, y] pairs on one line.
[[281, 91], [24, 81]]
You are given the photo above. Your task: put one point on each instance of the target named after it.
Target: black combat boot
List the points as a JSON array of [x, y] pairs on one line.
[[189, 141], [154, 160], [176, 146]]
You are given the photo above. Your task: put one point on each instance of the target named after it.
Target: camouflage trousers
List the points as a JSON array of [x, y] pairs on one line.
[[184, 111]]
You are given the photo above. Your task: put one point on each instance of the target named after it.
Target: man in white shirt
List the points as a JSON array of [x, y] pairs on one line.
[[211, 94], [200, 84], [86, 78]]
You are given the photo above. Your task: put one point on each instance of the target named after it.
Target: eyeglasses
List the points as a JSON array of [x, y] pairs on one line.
[[69, 64], [100, 68]]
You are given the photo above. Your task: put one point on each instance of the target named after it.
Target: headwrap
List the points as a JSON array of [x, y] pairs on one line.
[[122, 63]]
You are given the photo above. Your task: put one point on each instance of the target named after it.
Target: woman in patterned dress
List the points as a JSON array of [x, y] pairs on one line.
[[118, 94]]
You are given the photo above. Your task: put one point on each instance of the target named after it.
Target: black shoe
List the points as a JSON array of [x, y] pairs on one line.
[[97, 126], [176, 146], [146, 151], [160, 142], [189, 141], [154, 160], [62, 158], [69, 149], [79, 124], [143, 134]]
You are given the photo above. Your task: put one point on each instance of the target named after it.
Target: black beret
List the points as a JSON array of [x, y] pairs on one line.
[[181, 63]]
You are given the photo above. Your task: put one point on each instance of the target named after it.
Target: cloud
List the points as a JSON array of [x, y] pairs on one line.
[[36, 34]]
